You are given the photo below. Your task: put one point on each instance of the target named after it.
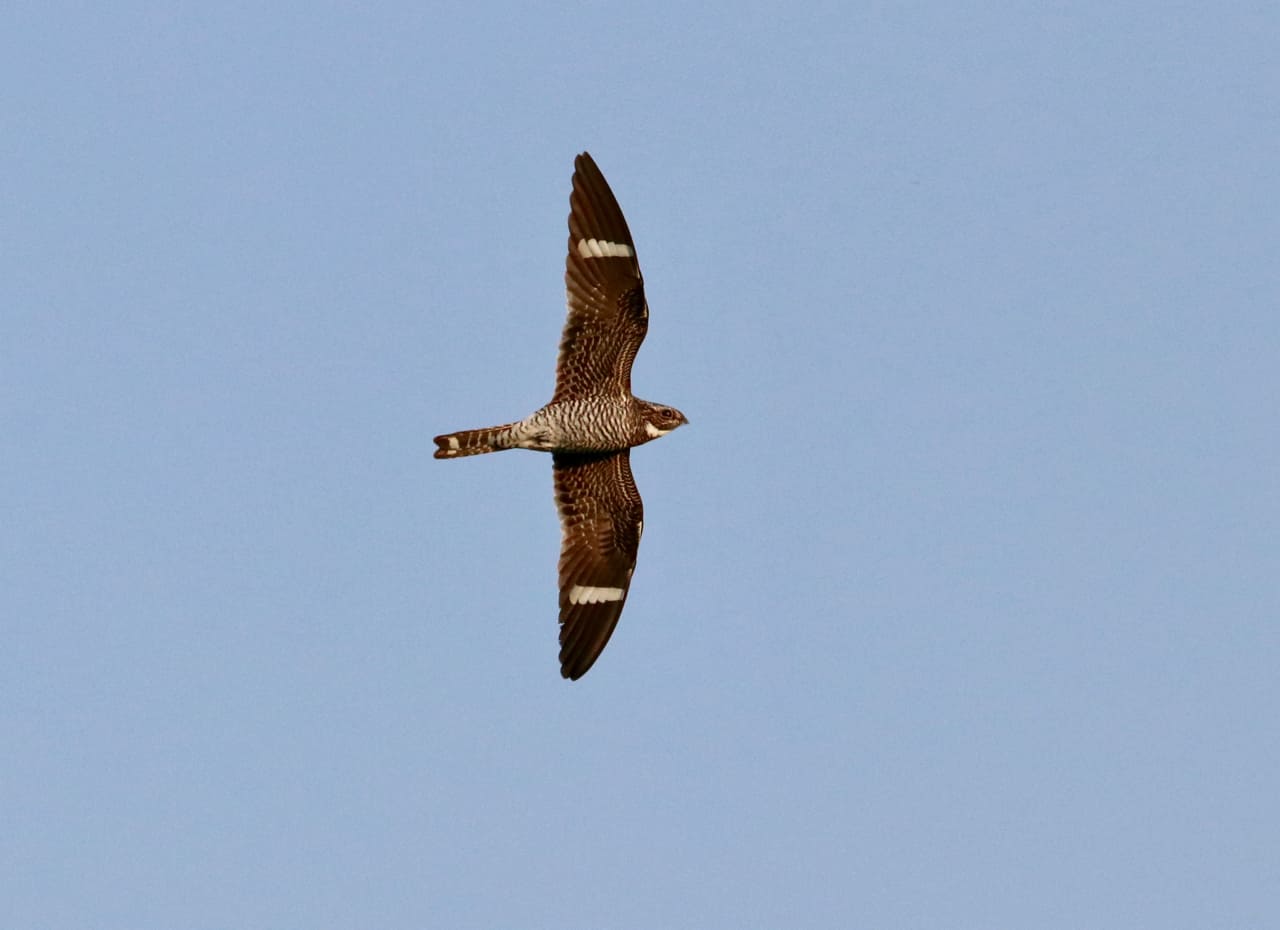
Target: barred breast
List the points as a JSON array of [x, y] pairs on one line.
[[590, 424]]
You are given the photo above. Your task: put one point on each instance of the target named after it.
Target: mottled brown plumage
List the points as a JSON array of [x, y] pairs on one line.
[[608, 316], [591, 423], [601, 518]]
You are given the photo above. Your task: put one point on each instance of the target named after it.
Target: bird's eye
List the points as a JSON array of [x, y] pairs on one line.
[[668, 413]]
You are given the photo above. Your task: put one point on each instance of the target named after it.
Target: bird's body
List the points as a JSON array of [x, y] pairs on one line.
[[592, 422]]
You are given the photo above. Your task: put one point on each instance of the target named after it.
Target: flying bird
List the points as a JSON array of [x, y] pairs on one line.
[[591, 423]]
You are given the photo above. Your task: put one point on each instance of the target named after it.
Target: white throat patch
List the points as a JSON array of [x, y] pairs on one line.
[[652, 431]]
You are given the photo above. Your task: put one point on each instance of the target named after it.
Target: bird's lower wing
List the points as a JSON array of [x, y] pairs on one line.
[[601, 520]]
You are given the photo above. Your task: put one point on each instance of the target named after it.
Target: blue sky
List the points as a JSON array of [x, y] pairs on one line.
[[958, 599]]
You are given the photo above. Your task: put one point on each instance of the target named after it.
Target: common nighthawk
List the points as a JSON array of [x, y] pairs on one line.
[[592, 422]]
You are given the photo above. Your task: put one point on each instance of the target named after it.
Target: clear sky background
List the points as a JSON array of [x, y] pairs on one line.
[[959, 598]]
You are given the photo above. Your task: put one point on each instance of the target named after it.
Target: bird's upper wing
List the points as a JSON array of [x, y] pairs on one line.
[[608, 316], [601, 519]]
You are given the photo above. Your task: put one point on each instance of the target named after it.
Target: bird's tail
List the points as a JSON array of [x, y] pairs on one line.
[[473, 441]]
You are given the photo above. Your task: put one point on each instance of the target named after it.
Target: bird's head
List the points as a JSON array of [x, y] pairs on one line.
[[660, 420]]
